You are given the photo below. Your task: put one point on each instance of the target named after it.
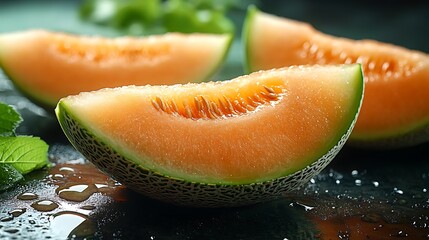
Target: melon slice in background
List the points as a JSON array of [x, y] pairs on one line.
[[395, 111], [46, 66], [216, 144]]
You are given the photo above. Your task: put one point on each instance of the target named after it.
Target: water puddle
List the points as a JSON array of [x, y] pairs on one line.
[[71, 224]]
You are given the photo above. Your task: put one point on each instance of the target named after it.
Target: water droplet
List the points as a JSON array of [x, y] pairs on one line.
[[76, 192], [305, 206], [343, 235], [71, 224], [103, 188], [313, 181], [355, 173], [17, 212], [398, 191], [66, 169], [44, 205], [32, 221], [57, 176], [88, 207], [337, 181], [27, 196], [11, 230], [6, 219], [375, 183], [358, 182], [399, 234], [425, 190]]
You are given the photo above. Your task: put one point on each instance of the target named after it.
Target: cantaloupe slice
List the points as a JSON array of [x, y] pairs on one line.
[[47, 66], [224, 143], [395, 111]]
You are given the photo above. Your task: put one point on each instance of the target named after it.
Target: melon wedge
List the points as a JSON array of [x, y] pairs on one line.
[[215, 144], [395, 111], [47, 66]]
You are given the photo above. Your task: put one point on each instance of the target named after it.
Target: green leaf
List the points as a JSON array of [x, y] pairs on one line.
[[9, 120], [24, 153], [8, 176]]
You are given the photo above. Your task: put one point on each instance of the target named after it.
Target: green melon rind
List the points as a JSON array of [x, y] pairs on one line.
[[49, 104], [245, 35], [190, 193]]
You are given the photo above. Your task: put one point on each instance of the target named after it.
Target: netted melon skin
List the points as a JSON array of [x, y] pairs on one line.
[[181, 192]]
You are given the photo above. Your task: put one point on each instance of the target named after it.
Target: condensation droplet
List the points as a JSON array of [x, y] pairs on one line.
[[66, 169], [400, 233], [44, 205], [11, 230], [398, 191], [17, 212], [57, 176], [27, 196], [6, 219], [76, 192], [358, 182], [88, 207]]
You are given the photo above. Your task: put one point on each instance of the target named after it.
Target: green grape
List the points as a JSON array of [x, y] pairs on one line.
[[141, 17], [181, 16], [136, 11], [98, 11]]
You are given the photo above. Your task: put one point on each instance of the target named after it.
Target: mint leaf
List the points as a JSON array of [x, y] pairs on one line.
[[8, 176], [24, 153], [18, 154], [9, 120]]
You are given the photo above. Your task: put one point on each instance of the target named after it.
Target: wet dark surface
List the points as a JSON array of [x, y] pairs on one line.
[[361, 195]]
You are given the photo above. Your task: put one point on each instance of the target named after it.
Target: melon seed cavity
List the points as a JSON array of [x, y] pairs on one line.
[[219, 106]]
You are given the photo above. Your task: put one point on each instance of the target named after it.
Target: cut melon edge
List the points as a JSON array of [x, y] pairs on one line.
[[48, 103]]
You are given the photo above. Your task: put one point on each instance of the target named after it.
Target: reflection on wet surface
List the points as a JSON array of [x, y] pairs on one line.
[[78, 201]]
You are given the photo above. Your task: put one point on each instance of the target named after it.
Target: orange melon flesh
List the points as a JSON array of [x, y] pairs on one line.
[[47, 66], [397, 79], [250, 129]]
